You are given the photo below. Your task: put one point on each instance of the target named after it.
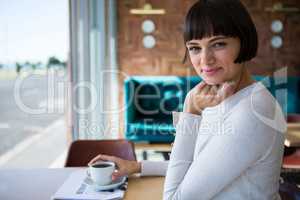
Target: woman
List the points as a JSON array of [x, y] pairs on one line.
[[229, 137]]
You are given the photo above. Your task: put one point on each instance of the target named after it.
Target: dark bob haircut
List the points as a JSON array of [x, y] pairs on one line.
[[222, 17]]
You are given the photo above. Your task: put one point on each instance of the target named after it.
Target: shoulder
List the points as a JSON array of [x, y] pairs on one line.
[[260, 110]]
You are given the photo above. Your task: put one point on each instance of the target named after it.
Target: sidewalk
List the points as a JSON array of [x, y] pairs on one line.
[[48, 149], [43, 150]]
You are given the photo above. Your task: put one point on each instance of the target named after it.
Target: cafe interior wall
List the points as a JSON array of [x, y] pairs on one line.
[[165, 58]]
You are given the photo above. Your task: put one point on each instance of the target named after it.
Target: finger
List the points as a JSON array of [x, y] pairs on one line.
[[211, 93], [110, 158], [104, 158], [226, 90], [97, 158], [217, 99], [200, 85], [214, 89], [229, 89], [205, 89], [117, 175]]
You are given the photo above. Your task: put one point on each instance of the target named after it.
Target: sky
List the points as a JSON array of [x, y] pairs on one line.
[[33, 30]]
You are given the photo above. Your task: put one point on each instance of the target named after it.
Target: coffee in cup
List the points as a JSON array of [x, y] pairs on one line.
[[101, 172]]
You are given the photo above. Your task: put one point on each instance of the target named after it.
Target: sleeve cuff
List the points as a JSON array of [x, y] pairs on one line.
[[153, 168]]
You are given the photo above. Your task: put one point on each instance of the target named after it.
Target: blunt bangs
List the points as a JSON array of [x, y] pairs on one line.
[[230, 18], [200, 23]]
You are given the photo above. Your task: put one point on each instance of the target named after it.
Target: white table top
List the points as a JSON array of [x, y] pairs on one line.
[[33, 184], [41, 184]]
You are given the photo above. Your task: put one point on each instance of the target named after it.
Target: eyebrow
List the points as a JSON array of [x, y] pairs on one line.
[[211, 40]]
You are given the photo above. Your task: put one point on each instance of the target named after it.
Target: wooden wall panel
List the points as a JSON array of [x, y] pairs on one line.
[[168, 53], [165, 58]]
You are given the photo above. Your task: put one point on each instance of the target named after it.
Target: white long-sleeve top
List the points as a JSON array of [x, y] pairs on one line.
[[233, 151]]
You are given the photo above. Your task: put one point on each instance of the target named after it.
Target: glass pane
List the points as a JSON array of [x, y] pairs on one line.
[[33, 80]]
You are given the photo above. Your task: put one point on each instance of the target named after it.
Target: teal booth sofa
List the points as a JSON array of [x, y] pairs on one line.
[[150, 100]]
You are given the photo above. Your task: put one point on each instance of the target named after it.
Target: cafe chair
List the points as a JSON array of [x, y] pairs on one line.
[[293, 118], [292, 161], [289, 191], [290, 174], [82, 151]]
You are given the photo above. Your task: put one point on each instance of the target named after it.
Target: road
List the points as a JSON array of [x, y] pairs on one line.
[[19, 102]]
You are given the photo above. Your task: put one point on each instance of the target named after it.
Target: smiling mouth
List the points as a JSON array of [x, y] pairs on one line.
[[210, 71]]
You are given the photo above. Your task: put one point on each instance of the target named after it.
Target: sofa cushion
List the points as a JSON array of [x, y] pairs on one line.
[[172, 97], [147, 98]]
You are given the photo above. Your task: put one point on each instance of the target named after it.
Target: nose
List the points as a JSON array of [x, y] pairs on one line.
[[207, 57]]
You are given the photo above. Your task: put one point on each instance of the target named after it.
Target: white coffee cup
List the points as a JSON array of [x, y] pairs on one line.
[[101, 172]]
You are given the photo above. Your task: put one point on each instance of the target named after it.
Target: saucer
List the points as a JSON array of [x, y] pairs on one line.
[[113, 185]]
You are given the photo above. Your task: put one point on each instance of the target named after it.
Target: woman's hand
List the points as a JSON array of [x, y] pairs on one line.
[[204, 95], [124, 167]]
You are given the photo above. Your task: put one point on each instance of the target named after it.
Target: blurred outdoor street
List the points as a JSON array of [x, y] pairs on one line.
[[25, 134]]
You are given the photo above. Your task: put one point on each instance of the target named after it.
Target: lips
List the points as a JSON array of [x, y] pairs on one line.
[[210, 71]]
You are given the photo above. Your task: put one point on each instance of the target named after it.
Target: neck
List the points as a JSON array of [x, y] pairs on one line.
[[244, 79]]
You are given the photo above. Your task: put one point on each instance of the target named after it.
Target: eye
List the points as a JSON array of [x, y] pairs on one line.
[[194, 49], [219, 45]]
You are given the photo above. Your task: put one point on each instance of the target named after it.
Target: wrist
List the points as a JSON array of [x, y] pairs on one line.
[[191, 110], [190, 107], [137, 167]]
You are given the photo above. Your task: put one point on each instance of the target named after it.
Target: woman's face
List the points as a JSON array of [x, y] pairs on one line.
[[213, 58]]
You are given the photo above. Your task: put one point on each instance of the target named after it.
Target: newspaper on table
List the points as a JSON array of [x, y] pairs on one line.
[[78, 186]]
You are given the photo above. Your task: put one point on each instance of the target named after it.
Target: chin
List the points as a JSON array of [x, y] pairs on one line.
[[212, 81], [217, 79]]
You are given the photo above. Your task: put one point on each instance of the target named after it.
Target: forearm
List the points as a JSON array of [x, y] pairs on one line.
[[186, 135], [182, 151]]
